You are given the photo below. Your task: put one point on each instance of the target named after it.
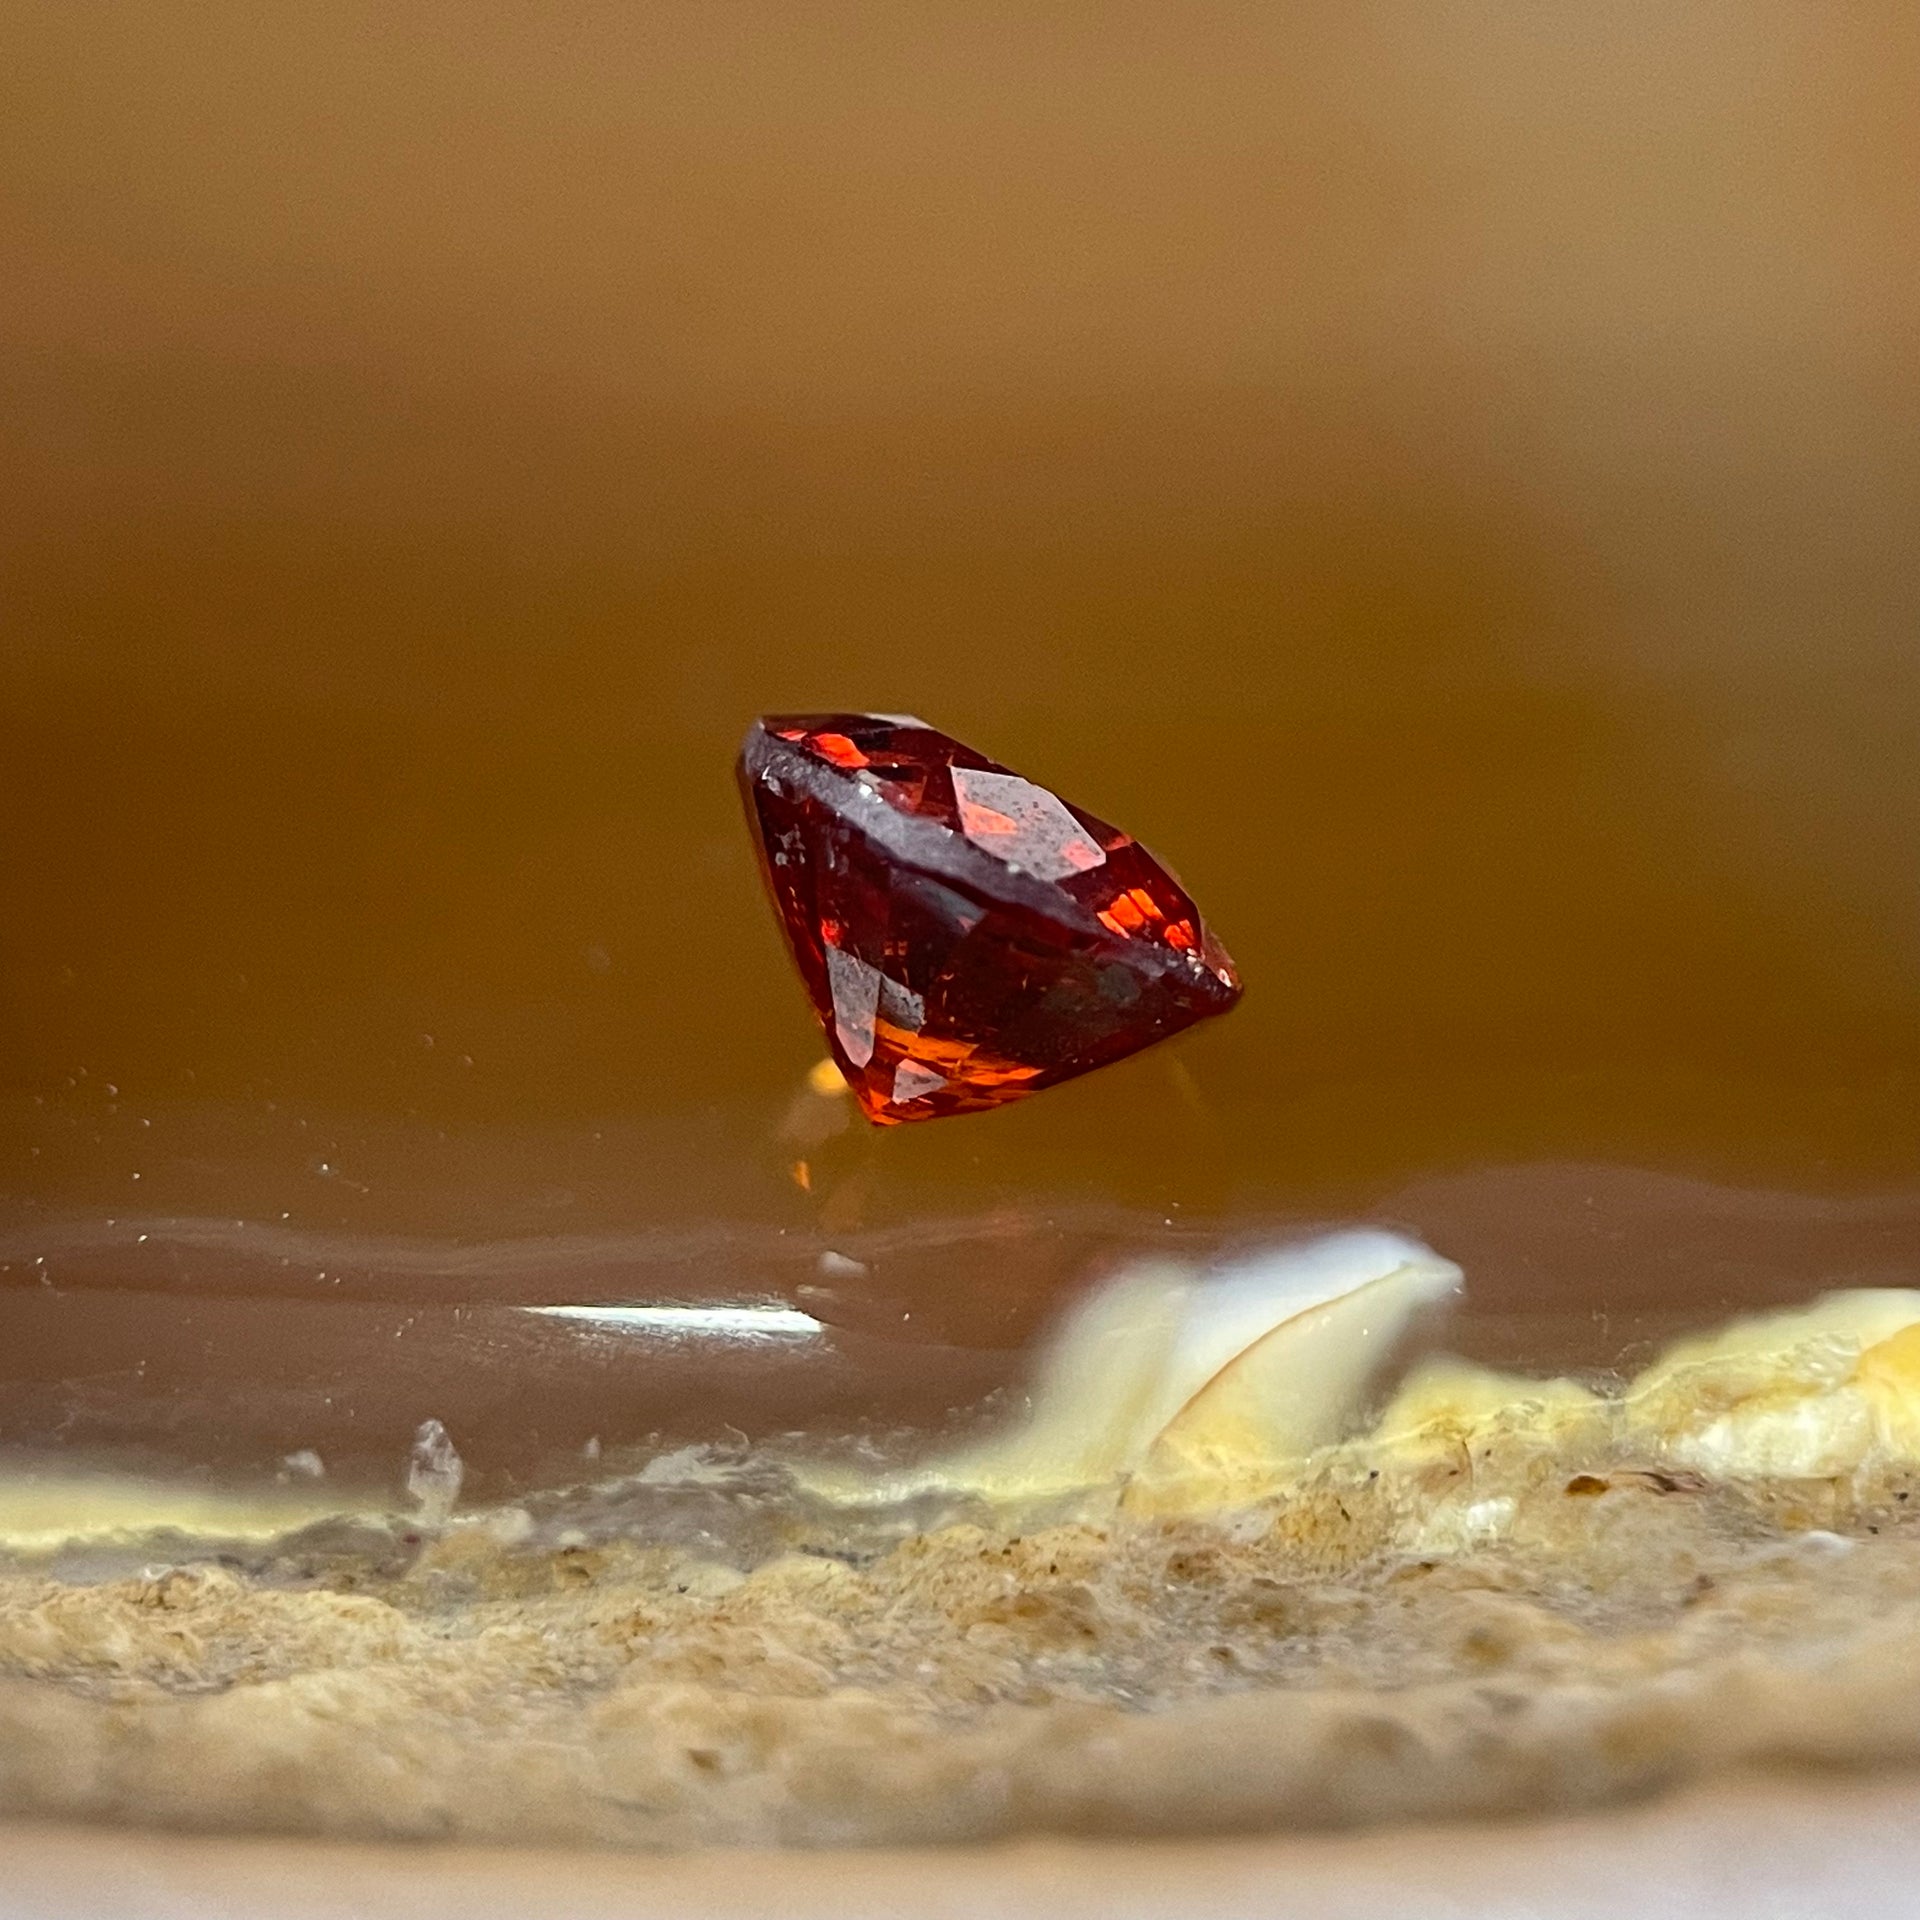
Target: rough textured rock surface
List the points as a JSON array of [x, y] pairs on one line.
[[1520, 1627]]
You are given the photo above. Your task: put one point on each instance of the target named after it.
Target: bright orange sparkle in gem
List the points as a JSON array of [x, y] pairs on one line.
[[840, 750], [1134, 909], [802, 1176], [974, 818]]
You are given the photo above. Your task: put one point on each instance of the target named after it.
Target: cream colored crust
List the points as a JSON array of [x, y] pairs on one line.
[[1509, 1595]]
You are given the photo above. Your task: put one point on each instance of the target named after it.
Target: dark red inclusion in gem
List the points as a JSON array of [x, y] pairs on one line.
[[967, 936]]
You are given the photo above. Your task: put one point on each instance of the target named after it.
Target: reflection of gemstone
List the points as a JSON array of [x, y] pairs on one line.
[[966, 935]]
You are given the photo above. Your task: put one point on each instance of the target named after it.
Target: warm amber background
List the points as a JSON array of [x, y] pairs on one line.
[[1445, 476]]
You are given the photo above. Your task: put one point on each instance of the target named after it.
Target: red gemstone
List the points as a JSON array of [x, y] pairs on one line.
[[967, 936]]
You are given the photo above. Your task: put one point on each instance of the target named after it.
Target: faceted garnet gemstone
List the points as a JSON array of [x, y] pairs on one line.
[[967, 936]]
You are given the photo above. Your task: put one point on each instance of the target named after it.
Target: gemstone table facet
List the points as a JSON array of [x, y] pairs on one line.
[[967, 936]]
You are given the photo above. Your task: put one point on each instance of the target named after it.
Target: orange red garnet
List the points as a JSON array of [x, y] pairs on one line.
[[967, 936]]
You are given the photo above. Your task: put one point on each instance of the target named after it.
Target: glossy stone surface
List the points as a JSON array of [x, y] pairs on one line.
[[967, 936]]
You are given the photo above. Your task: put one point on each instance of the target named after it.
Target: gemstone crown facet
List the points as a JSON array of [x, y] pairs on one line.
[[967, 936]]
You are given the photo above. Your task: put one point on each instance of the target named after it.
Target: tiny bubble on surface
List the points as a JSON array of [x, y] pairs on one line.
[[434, 1471]]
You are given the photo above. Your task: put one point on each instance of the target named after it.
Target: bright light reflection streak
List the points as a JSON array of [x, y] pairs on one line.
[[784, 1320]]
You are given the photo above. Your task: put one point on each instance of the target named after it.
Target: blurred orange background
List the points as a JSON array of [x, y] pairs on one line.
[[1445, 478]]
